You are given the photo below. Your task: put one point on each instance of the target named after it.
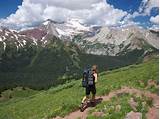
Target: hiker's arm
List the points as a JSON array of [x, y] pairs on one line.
[[95, 75]]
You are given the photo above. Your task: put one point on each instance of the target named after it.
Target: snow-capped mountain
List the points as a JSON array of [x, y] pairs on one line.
[[13, 38], [63, 30], [42, 33], [99, 40], [49, 28], [66, 29]]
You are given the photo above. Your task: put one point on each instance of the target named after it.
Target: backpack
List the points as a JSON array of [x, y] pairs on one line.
[[88, 78]]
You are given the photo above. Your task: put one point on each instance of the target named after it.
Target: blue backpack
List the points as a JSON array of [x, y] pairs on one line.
[[88, 78]]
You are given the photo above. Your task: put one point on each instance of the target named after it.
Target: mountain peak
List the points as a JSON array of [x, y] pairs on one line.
[[48, 21], [67, 29]]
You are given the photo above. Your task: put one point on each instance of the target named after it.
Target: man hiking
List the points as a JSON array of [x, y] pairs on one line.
[[89, 82]]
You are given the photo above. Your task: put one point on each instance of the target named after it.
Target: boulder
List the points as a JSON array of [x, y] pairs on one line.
[[133, 104], [134, 115]]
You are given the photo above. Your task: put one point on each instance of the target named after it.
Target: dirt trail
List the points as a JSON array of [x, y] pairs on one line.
[[153, 112]]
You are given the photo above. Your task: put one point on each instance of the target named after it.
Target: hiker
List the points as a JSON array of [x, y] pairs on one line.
[[90, 80]]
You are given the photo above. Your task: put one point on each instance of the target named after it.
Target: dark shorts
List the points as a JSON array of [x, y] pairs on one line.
[[91, 89]]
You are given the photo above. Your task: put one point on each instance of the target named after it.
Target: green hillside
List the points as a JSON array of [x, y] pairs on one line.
[[63, 99]]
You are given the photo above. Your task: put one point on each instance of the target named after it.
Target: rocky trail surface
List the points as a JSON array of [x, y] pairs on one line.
[[153, 112]]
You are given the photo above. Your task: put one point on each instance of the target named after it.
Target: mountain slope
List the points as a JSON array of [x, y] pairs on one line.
[[16, 50], [51, 103], [118, 41], [42, 65]]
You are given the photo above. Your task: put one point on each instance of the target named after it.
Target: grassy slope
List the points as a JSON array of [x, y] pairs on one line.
[[66, 98], [118, 107]]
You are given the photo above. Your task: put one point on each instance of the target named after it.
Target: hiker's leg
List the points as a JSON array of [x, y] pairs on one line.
[[93, 97], [87, 95], [85, 98], [93, 93]]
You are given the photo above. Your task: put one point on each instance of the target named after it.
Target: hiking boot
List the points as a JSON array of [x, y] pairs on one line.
[[93, 102], [81, 107]]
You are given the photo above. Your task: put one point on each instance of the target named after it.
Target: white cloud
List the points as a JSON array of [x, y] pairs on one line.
[[155, 27], [147, 5], [90, 11], [155, 19], [104, 14], [144, 10], [68, 4], [57, 14]]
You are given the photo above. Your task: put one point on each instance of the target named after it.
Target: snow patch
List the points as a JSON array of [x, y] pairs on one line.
[[16, 36], [4, 45], [35, 41], [45, 23], [16, 45], [61, 33], [74, 23], [1, 39], [6, 34], [43, 38], [45, 41], [24, 42], [20, 43]]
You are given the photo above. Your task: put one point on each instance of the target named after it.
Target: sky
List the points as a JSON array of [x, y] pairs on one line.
[[8, 7], [23, 13]]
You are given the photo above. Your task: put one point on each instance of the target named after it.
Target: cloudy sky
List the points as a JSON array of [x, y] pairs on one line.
[[23, 13]]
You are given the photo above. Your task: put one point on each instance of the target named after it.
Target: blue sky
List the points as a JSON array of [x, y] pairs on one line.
[[8, 7], [33, 11], [126, 5]]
